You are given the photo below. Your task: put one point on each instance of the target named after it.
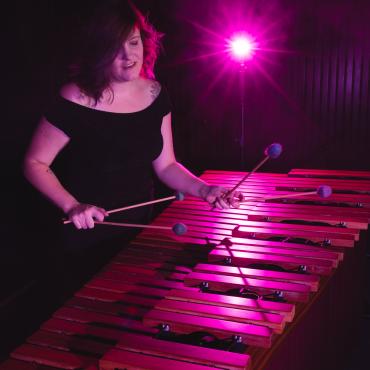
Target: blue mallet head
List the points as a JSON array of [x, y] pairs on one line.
[[324, 191], [179, 195], [273, 150], [179, 229]]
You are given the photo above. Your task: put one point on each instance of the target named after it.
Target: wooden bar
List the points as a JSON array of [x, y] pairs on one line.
[[285, 309], [271, 320]]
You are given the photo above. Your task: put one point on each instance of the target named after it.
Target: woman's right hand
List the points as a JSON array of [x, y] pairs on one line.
[[83, 215]]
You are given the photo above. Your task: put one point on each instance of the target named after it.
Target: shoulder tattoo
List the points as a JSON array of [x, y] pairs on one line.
[[155, 89], [85, 100]]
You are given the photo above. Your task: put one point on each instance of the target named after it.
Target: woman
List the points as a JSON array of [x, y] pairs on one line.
[[108, 130]]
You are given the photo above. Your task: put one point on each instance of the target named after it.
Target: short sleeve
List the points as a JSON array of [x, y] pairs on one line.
[[165, 102], [60, 114]]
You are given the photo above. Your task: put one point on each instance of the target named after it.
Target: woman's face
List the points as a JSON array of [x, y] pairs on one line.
[[129, 61]]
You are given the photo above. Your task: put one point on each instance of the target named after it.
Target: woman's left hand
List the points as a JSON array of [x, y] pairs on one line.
[[219, 197]]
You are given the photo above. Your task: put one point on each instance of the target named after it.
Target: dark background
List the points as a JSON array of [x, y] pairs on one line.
[[309, 91]]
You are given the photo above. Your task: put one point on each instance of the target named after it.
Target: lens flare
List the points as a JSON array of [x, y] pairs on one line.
[[241, 47]]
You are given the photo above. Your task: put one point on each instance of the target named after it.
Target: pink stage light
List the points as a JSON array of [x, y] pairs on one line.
[[242, 47]]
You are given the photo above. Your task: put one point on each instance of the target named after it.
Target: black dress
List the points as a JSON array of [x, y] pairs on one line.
[[107, 163]]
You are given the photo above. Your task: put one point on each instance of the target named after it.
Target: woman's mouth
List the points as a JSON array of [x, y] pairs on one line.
[[129, 65]]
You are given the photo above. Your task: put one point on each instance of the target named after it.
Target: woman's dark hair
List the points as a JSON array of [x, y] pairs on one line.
[[102, 37]]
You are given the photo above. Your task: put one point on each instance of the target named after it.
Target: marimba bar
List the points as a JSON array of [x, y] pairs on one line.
[[272, 285]]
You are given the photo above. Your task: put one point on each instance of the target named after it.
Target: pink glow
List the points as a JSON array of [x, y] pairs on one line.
[[242, 47], [215, 31]]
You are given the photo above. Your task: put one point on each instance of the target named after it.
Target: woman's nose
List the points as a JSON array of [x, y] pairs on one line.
[[125, 53]]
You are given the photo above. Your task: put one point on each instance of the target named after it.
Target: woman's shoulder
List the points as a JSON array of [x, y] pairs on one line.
[[159, 95], [73, 93], [149, 89], [154, 88], [59, 112]]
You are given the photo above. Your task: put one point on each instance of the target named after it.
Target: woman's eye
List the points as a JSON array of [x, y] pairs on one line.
[[134, 43]]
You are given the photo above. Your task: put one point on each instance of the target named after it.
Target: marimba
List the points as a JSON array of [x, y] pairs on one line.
[[270, 285]]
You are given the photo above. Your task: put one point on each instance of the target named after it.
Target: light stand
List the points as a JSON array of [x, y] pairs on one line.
[[242, 115], [241, 47]]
